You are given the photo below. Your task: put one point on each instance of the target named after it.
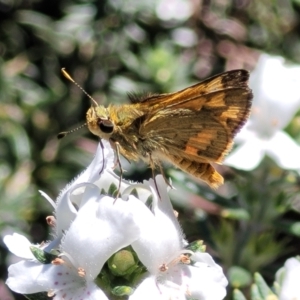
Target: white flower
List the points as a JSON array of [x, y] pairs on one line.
[[167, 10], [289, 276], [276, 89], [101, 228], [161, 249], [99, 169], [100, 173], [90, 227]]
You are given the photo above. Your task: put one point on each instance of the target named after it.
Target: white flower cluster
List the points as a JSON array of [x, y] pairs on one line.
[[90, 227]]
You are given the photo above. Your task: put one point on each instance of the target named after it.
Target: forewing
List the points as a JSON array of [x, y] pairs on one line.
[[199, 128], [184, 98]]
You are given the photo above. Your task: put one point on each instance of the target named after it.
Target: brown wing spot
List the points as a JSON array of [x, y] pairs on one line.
[[207, 139], [231, 104], [216, 148], [235, 78], [215, 100], [209, 149], [191, 150]]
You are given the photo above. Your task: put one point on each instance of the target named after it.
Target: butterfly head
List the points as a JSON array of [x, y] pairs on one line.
[[99, 122]]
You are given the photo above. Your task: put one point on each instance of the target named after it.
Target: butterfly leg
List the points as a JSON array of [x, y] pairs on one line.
[[102, 147], [164, 175], [117, 145], [152, 166]]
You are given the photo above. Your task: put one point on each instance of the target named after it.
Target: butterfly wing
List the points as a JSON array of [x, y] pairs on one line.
[[226, 80], [196, 126]]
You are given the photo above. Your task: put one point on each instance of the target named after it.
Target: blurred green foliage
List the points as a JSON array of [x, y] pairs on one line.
[[114, 47]]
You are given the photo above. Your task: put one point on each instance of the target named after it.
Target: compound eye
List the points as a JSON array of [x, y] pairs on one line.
[[106, 126]]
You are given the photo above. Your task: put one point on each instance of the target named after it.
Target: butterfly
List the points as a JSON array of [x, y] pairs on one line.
[[191, 128]]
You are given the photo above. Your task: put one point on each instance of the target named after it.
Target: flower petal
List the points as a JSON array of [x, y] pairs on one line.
[[90, 291], [206, 280], [30, 277], [150, 289], [66, 211], [102, 227], [276, 89], [26, 277], [247, 156], [162, 206], [19, 245], [161, 237], [290, 286], [284, 150]]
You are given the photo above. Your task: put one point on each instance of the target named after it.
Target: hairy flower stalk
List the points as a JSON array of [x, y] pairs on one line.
[[104, 247]]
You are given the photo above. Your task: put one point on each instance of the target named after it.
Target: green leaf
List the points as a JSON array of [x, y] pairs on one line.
[[262, 286], [149, 201], [112, 190], [239, 277], [255, 294], [236, 214], [42, 256], [122, 290], [103, 192], [197, 246], [238, 295], [134, 193]]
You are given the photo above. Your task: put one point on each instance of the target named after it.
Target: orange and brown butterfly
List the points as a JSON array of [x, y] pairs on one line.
[[192, 128]]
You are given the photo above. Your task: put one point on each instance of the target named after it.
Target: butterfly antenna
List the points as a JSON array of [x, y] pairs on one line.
[[64, 133], [66, 74]]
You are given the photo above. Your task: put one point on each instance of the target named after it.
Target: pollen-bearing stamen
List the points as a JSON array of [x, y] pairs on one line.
[[57, 261], [81, 272], [51, 221], [70, 263], [51, 293], [183, 257]]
